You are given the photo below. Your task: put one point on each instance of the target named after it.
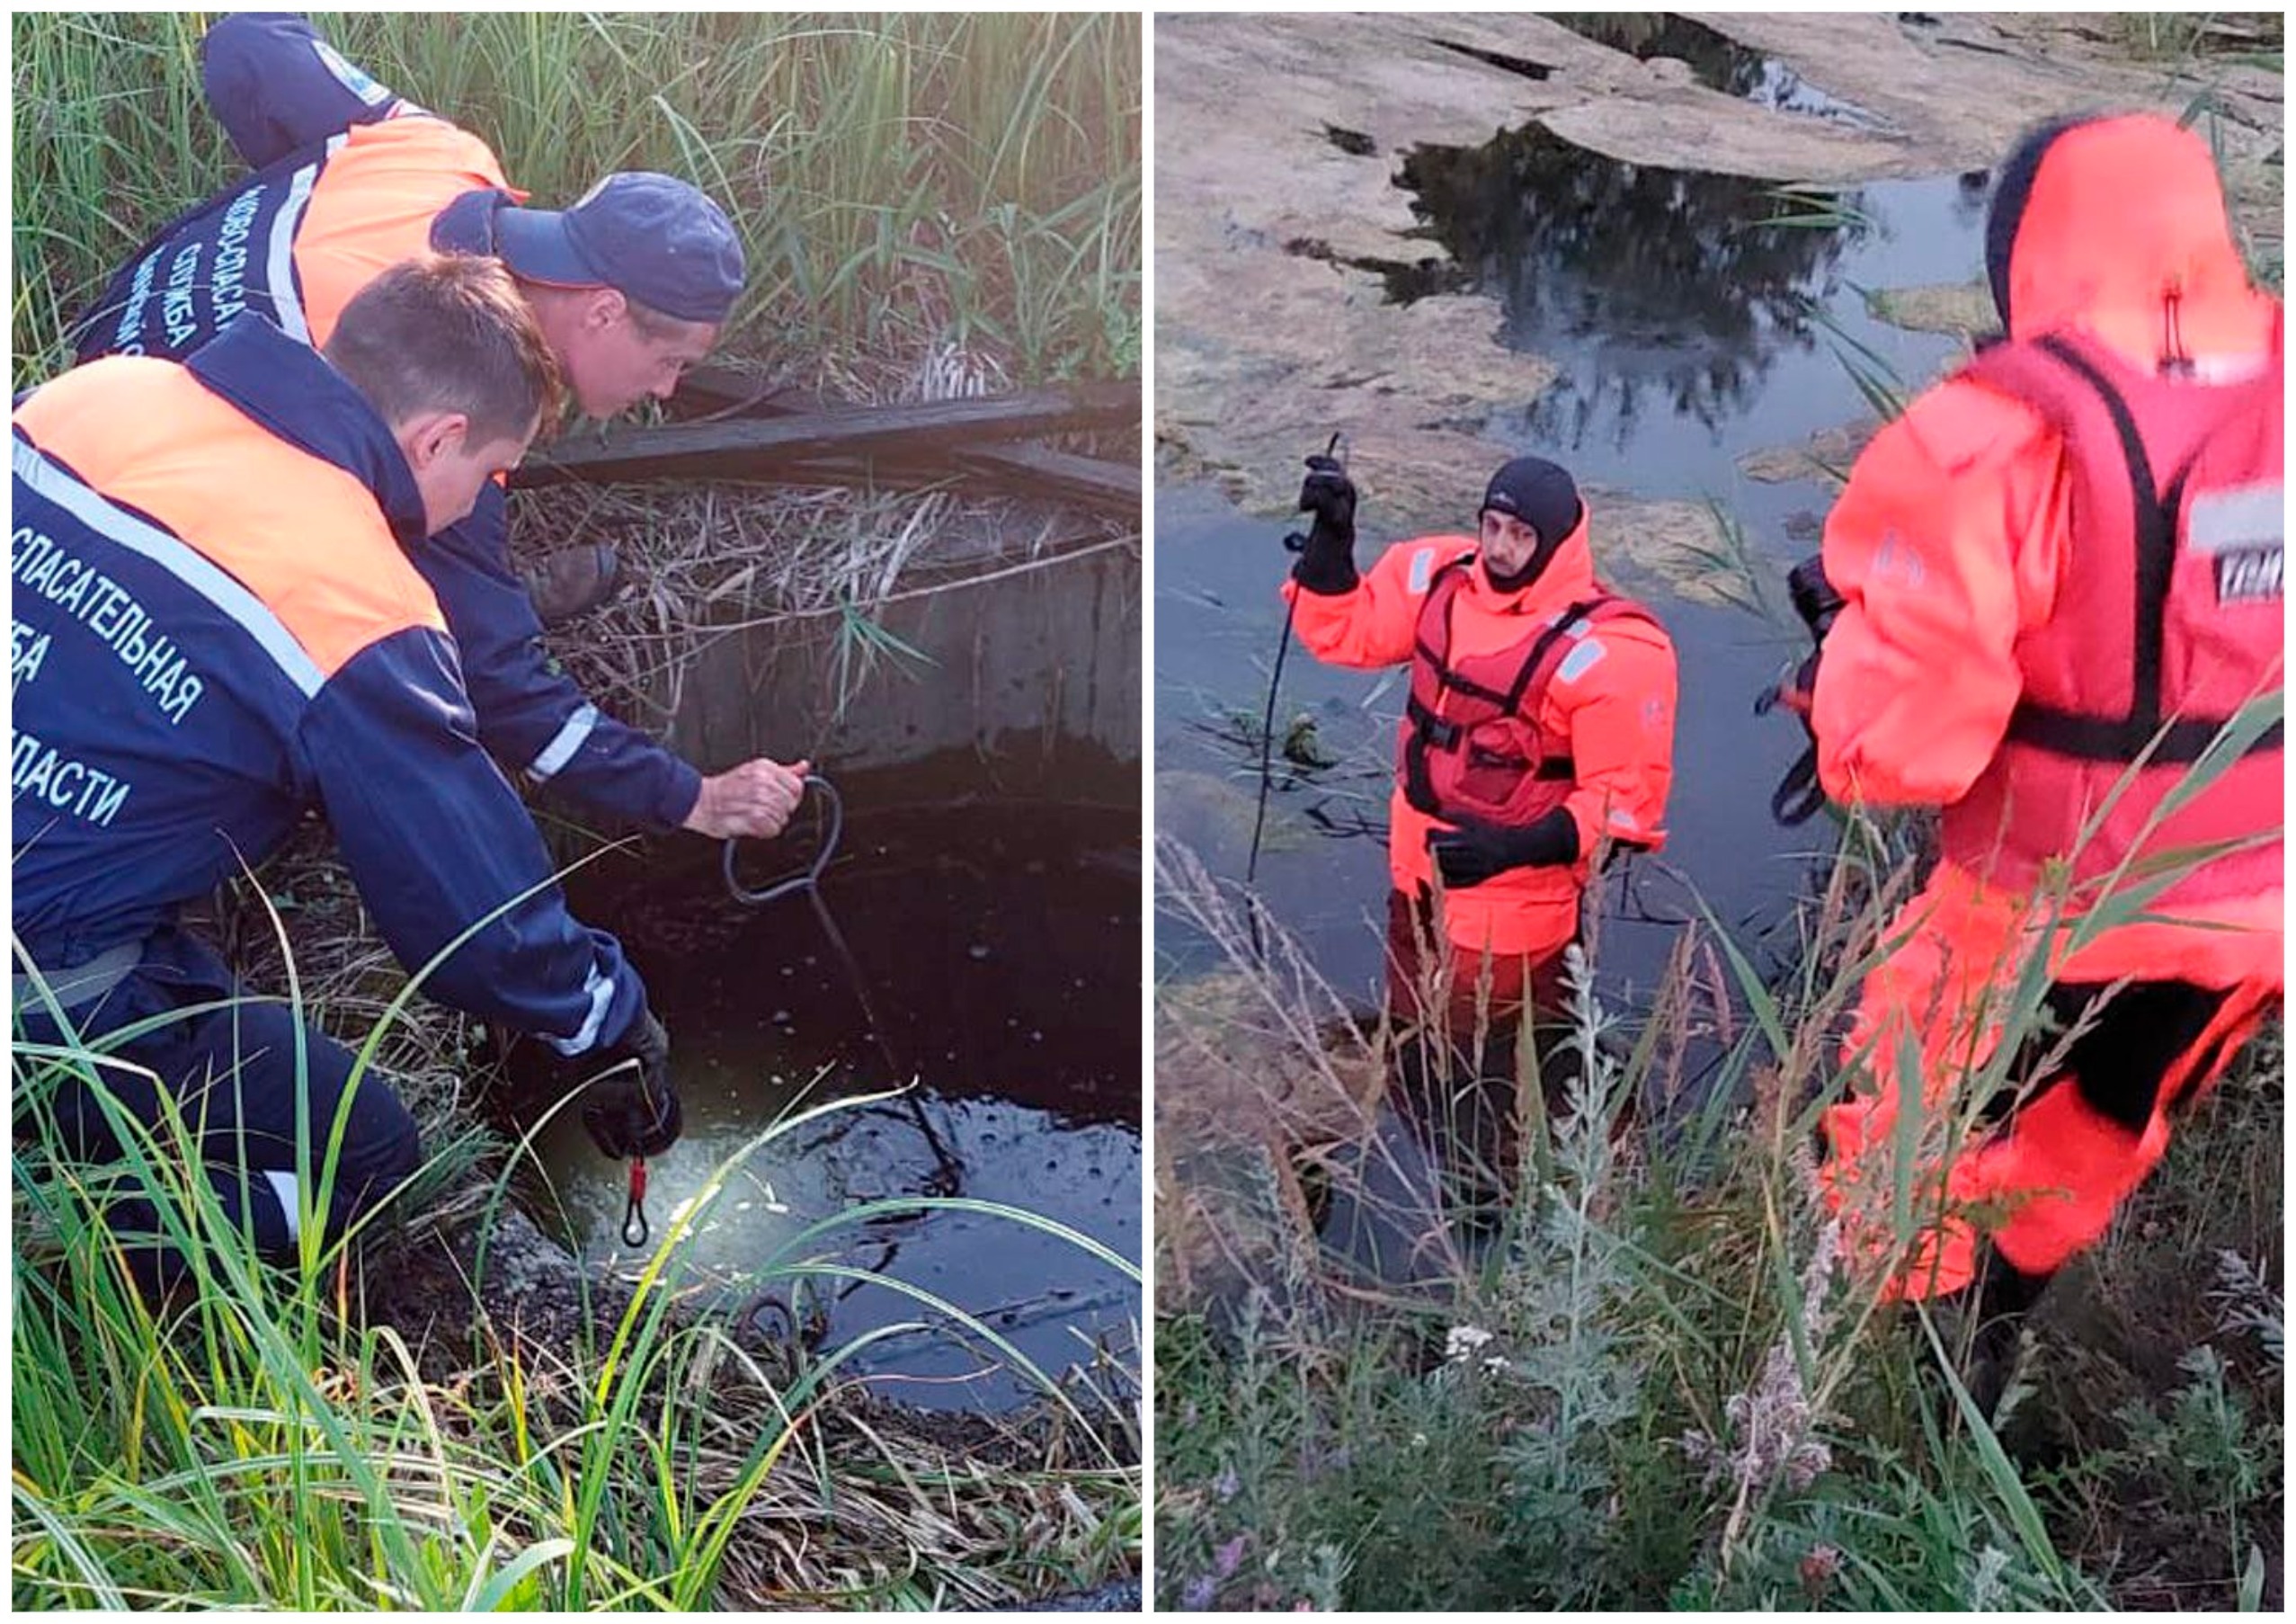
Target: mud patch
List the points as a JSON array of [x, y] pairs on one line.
[[1963, 309]]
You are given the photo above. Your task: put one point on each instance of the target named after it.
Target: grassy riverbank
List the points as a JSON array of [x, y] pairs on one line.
[[1663, 1382], [929, 203]]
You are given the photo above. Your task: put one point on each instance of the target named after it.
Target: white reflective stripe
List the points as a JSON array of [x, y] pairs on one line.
[[177, 557], [1422, 568], [352, 79], [1577, 663], [281, 268], [283, 1185], [1623, 820], [601, 993], [2250, 515], [563, 744]]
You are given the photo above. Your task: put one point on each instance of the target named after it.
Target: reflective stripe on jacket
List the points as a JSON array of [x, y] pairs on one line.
[[217, 629]]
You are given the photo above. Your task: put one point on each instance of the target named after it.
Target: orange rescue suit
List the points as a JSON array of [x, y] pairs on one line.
[[2036, 570], [1599, 702]]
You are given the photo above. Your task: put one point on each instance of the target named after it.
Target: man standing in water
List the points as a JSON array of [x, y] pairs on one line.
[[2060, 583], [1538, 733], [219, 627], [630, 286]]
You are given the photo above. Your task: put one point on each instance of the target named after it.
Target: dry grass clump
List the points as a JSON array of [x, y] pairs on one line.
[[706, 562]]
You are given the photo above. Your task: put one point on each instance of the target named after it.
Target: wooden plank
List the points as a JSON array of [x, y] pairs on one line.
[[1088, 481], [742, 448], [1112, 487]]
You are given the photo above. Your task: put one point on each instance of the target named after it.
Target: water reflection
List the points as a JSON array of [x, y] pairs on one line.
[[1715, 61], [1658, 290]]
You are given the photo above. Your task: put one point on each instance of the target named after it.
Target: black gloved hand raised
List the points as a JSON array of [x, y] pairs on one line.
[[1327, 564], [1476, 851], [635, 1112]]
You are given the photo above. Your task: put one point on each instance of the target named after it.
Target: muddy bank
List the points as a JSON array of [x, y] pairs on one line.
[[1281, 230]]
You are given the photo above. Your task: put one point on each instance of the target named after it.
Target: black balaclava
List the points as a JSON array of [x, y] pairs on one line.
[[2012, 191], [1543, 497]]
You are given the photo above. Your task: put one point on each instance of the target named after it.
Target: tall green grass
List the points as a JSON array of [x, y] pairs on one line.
[[256, 1440], [900, 181], [1662, 1380]]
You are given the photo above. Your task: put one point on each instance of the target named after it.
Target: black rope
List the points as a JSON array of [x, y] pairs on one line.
[[1294, 542], [948, 1177]]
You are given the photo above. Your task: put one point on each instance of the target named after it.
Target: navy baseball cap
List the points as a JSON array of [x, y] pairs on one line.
[[652, 236]]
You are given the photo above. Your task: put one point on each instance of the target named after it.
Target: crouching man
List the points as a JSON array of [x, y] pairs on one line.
[[220, 624]]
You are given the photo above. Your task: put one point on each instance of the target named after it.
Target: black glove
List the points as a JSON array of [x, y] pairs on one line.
[[1476, 851], [1814, 597], [635, 1112], [1327, 564], [1798, 796], [1797, 692]]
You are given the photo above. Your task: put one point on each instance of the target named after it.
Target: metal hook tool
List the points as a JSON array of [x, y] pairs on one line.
[[810, 875]]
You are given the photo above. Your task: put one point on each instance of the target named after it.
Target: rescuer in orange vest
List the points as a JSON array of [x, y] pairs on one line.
[[1539, 731], [2060, 580], [221, 628], [630, 286]]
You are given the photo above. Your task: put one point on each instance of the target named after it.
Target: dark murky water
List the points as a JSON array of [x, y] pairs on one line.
[[996, 956], [1681, 306], [1716, 61], [1686, 343]]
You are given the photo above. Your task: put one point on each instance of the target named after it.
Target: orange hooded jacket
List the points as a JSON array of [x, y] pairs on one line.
[[1616, 708], [1950, 546], [1950, 540]]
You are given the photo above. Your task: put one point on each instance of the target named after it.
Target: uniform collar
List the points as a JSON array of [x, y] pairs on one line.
[[289, 389]]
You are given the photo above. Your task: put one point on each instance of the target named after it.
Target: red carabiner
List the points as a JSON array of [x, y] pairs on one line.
[[634, 1226]]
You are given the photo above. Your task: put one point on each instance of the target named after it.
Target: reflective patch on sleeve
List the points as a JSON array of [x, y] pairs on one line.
[[356, 80], [289, 1194], [1579, 661], [563, 744], [600, 991], [1422, 568], [2246, 516], [1623, 820]]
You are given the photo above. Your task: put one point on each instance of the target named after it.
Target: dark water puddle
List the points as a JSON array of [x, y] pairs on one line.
[[1668, 269], [1694, 318], [1687, 312], [997, 951], [1715, 61]]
